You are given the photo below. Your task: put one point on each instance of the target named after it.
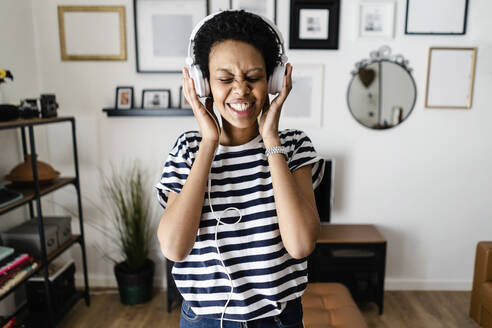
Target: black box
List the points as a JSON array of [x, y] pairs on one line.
[[62, 284]]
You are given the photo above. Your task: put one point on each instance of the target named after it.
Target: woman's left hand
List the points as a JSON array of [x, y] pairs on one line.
[[270, 115]]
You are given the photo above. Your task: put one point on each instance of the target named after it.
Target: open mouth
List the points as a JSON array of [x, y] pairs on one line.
[[241, 109]]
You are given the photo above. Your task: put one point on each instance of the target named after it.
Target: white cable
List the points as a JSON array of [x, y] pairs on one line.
[[220, 222]]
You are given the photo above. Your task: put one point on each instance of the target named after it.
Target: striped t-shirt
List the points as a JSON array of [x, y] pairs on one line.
[[264, 275]]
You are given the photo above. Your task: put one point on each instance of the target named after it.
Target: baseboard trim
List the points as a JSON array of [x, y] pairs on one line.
[[414, 284]]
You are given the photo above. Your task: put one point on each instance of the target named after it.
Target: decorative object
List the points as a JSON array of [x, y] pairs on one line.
[[314, 24], [130, 220], [22, 173], [444, 17], [303, 106], [183, 103], [382, 91], [124, 98], [376, 19], [48, 105], [4, 74], [450, 77], [156, 98], [265, 8], [78, 40], [162, 31]]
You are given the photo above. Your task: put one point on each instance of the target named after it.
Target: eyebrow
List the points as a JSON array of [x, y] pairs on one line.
[[248, 71]]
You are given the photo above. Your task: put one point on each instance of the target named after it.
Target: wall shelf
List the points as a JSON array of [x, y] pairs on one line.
[[149, 112]]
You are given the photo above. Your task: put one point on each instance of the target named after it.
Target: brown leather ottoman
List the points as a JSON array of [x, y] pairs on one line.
[[330, 305]]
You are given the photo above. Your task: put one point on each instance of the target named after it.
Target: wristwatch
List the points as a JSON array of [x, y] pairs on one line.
[[276, 150]]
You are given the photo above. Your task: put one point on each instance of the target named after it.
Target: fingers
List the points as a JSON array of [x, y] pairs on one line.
[[189, 90]]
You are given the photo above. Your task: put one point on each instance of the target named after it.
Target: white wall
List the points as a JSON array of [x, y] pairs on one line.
[[426, 183]]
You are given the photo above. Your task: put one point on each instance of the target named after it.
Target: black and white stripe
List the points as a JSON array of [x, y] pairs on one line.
[[264, 275]]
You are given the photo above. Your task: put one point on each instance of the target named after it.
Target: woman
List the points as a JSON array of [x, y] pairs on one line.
[[239, 244]]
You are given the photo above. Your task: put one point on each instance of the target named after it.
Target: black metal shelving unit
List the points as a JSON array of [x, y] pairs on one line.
[[32, 195]]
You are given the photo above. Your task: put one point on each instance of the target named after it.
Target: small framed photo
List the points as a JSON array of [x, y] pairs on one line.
[[183, 103], [156, 98], [442, 17], [124, 98], [314, 24], [450, 76], [376, 19], [265, 8]]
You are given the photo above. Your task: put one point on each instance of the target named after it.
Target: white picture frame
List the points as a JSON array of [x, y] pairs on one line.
[[304, 105], [314, 24], [377, 19], [444, 17], [265, 8], [450, 77], [162, 33]]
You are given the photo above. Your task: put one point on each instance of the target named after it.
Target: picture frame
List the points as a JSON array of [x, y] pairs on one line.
[[77, 40], [159, 24], [377, 19], [304, 106], [124, 97], [265, 8], [156, 98], [314, 24], [436, 17], [450, 77], [183, 103]]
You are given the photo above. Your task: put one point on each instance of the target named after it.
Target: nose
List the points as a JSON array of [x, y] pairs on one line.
[[241, 87]]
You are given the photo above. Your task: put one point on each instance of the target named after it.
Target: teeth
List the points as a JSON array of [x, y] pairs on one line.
[[240, 107]]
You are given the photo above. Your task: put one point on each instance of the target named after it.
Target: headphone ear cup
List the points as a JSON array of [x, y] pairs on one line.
[[276, 80], [202, 87]]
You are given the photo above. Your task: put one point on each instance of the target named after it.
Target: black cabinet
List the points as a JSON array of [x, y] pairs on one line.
[[173, 295], [358, 263]]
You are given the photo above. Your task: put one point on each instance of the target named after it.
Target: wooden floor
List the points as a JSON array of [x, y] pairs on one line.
[[412, 309]]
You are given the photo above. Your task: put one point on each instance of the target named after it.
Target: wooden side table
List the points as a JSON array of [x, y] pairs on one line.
[[352, 254]]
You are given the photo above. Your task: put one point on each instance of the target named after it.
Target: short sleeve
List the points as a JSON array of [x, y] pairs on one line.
[[303, 154], [176, 169]]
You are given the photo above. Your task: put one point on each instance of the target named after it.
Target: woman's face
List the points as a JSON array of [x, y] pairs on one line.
[[238, 82]]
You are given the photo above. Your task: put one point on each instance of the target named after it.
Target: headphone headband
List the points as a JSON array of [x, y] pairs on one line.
[[190, 60]]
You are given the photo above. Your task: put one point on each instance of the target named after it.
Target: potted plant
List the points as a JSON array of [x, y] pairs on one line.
[[130, 231]]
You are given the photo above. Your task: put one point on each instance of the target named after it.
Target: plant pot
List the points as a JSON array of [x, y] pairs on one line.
[[135, 287]]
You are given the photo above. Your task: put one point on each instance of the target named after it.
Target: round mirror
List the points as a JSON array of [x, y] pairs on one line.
[[381, 94]]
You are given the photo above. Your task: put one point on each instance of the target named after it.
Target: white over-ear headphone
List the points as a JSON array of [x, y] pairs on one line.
[[202, 87]]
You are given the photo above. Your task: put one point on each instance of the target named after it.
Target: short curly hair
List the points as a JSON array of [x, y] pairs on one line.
[[236, 25]]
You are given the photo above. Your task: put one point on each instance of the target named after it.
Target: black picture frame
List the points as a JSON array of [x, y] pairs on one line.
[[131, 102], [462, 32], [182, 99], [139, 53], [296, 41], [167, 101]]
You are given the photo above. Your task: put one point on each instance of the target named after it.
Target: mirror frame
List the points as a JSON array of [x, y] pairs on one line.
[[383, 54]]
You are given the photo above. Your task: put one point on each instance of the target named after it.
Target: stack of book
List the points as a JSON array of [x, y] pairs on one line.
[[14, 267]]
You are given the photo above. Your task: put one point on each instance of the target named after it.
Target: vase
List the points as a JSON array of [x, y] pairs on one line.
[[135, 287]]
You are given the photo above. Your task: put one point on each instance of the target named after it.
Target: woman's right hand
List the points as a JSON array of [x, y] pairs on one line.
[[208, 128]]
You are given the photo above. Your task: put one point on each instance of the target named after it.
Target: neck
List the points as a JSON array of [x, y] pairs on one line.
[[232, 136]]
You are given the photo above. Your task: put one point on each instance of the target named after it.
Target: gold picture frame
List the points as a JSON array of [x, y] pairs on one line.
[[72, 19], [450, 77]]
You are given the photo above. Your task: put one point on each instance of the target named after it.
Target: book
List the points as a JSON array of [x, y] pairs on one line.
[[15, 262], [18, 278]]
